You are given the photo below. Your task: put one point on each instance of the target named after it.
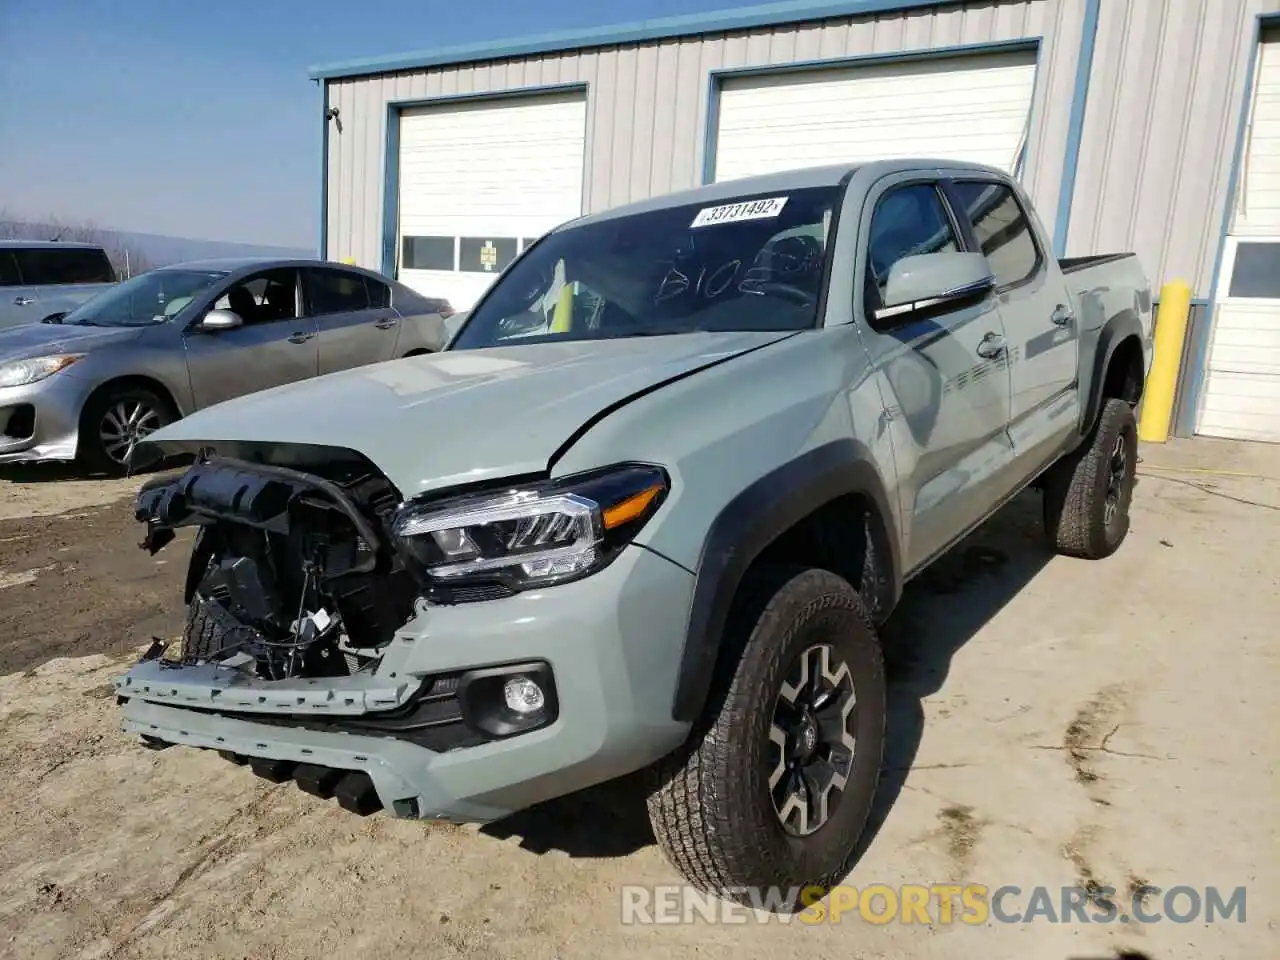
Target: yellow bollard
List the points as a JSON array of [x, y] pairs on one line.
[[1162, 381], [562, 320]]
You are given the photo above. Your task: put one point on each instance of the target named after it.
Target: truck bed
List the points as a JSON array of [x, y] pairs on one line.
[[1105, 285], [1072, 264]]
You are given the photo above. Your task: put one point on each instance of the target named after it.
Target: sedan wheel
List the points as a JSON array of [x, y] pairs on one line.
[[114, 422], [124, 424]]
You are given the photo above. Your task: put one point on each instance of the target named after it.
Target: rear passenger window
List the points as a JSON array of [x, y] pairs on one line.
[[1002, 229], [55, 266], [379, 294], [333, 291], [908, 221]]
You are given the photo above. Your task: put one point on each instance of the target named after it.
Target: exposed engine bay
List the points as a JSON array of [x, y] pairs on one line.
[[292, 573]]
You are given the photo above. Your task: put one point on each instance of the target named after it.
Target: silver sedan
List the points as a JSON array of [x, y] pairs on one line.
[[174, 340]]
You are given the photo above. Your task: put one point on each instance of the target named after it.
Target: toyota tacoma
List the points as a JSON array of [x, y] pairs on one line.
[[647, 511]]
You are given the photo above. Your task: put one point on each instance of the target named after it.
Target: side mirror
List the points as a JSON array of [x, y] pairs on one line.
[[216, 320], [930, 280]]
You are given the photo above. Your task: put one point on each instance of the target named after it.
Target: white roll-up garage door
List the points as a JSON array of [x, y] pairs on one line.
[[1242, 383], [971, 108], [480, 180]]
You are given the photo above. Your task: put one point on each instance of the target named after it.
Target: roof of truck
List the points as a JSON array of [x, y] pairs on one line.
[[61, 244], [798, 179]]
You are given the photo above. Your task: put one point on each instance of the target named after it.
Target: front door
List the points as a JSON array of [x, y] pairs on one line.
[[353, 317], [19, 301], [944, 381], [275, 346], [1043, 332]]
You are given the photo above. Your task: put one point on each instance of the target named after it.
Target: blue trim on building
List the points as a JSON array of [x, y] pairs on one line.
[[323, 251], [716, 77], [390, 189], [391, 148], [1075, 127], [711, 129], [1198, 359], [740, 18]]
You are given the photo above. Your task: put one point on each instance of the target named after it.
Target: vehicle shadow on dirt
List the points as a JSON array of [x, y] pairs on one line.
[[940, 612], [42, 472], [60, 472]]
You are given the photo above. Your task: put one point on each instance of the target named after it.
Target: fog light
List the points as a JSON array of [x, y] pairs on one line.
[[523, 695]]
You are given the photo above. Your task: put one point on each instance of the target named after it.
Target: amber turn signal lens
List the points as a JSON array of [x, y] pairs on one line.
[[630, 508]]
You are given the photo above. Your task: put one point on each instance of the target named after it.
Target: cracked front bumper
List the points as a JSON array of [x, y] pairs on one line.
[[611, 641]]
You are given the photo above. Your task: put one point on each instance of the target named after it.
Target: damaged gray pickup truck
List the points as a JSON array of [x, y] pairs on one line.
[[647, 511]]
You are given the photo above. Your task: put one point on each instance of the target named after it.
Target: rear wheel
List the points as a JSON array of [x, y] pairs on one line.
[[776, 785], [1087, 493], [113, 423]]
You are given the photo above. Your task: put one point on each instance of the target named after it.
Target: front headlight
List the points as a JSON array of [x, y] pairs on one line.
[[534, 535], [19, 373]]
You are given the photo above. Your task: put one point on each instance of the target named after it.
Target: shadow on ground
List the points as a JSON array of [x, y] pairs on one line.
[[43, 472], [940, 612]]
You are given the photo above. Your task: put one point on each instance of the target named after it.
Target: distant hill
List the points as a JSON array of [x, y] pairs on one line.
[[161, 250], [147, 250]]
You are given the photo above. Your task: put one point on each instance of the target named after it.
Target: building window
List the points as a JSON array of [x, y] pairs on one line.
[[1256, 273], [486, 254], [427, 253]]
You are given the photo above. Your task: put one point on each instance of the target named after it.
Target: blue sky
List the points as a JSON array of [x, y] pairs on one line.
[[198, 119]]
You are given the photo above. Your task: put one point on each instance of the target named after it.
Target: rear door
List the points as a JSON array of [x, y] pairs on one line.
[[1036, 309], [943, 378], [275, 346], [353, 317]]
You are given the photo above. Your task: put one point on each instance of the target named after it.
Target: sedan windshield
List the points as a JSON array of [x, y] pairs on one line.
[[148, 298], [747, 263]]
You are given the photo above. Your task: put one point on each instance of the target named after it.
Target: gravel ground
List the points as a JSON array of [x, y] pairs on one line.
[[1054, 722]]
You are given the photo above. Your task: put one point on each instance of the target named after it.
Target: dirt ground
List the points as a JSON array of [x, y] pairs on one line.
[[1054, 722]]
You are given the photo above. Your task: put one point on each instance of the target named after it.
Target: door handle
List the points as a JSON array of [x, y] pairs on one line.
[[387, 323], [1061, 315], [23, 301], [991, 346], [301, 337]]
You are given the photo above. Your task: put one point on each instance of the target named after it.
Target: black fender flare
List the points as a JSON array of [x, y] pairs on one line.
[[750, 522], [1117, 329]]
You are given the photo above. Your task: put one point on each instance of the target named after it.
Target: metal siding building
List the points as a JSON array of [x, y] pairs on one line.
[[1134, 138]]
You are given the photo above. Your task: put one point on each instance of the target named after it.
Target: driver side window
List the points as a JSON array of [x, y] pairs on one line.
[[908, 220], [264, 298]]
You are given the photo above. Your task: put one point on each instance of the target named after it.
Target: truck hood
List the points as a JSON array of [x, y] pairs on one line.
[[451, 418], [44, 339]]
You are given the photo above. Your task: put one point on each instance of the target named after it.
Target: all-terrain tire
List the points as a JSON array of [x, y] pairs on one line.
[[210, 630], [1076, 488], [710, 802]]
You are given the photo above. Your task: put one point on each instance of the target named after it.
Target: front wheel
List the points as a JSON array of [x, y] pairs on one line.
[[775, 787], [114, 421]]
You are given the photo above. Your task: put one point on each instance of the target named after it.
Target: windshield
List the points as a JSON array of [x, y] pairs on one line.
[[749, 263], [148, 298]]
